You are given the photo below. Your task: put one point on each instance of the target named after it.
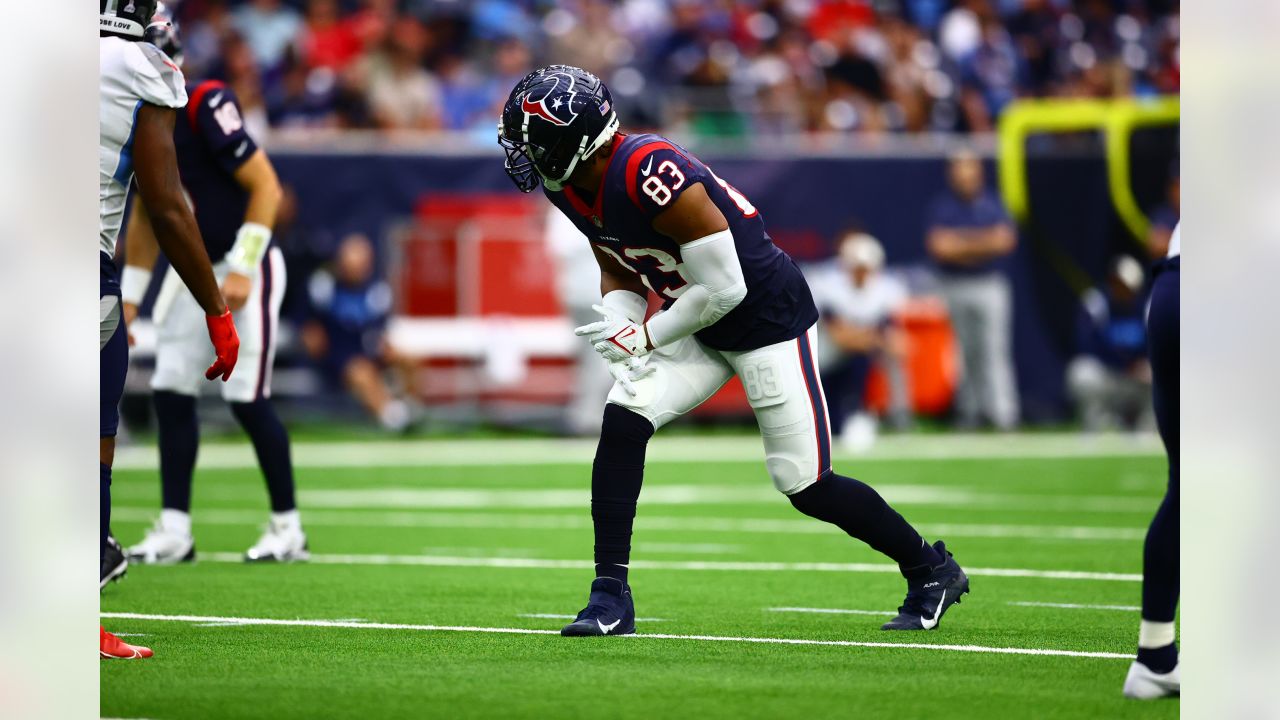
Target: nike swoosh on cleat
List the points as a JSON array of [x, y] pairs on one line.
[[605, 629], [932, 622], [217, 98], [648, 167]]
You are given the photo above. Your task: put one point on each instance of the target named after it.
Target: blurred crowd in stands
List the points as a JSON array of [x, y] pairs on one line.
[[702, 67]]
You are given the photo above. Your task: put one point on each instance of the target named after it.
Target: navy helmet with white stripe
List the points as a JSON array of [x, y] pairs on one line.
[[556, 117]]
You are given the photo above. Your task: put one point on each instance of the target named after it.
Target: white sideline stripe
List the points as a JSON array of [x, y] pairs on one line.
[[1077, 606], [393, 497], [505, 521], [557, 616], [645, 636], [831, 611], [546, 564], [543, 451]]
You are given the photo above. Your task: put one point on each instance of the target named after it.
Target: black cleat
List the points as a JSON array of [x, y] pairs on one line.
[[114, 563], [929, 596], [609, 611]]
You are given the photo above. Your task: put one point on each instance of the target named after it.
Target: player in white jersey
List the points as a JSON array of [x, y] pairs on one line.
[[139, 91]]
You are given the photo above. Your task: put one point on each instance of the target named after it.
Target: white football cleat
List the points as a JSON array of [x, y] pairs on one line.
[[281, 542], [163, 546], [1143, 683]]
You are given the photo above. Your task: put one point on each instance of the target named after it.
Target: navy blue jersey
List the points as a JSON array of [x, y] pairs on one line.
[[645, 174], [212, 144]]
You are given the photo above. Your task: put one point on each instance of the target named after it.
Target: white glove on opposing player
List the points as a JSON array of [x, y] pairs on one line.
[[630, 371], [616, 337]]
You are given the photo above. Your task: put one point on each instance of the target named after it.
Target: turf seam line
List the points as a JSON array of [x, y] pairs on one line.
[[644, 636]]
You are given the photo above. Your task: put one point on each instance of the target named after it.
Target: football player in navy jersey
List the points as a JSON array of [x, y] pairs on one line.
[[661, 221], [234, 190]]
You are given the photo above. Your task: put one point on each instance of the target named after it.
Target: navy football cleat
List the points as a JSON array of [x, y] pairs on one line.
[[114, 563], [609, 611], [928, 597]]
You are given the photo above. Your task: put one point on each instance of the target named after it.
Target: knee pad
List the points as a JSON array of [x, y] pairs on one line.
[[791, 471]]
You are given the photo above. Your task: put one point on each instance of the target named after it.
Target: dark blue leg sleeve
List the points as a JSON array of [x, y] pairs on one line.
[[616, 477], [179, 441], [271, 443]]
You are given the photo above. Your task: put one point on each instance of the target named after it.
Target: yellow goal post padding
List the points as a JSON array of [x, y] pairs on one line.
[[1117, 119]]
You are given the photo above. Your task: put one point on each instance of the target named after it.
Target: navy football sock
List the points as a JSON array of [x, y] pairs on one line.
[[1161, 659], [104, 508], [858, 509], [179, 441], [616, 477], [271, 443]]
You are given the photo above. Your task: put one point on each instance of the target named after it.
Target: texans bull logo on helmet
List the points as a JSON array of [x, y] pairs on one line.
[[559, 111]]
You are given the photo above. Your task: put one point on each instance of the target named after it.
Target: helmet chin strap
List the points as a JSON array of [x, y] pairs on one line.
[[584, 151]]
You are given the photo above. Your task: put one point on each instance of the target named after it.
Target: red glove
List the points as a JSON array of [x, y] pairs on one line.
[[226, 345]]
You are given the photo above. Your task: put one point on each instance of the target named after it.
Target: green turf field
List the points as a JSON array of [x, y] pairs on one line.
[[442, 570]]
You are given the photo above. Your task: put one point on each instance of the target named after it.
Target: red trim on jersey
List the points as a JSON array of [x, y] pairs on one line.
[[197, 95], [633, 164], [597, 208]]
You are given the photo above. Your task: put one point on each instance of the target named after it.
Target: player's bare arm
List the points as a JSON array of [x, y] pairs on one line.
[[171, 219], [971, 247], [624, 300], [258, 177], [175, 229], [140, 252]]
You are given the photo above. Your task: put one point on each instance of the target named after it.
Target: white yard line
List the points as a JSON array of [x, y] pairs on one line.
[[831, 611], [557, 616], [545, 451], [1077, 606], [766, 526], [644, 636], [548, 564], [393, 496]]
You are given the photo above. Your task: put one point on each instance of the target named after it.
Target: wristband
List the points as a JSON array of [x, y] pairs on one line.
[[252, 241], [133, 284], [631, 305]]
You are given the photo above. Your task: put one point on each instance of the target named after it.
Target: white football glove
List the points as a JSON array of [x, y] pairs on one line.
[[630, 371], [615, 337]]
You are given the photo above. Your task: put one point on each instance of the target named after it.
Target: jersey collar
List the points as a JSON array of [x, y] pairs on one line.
[[594, 212]]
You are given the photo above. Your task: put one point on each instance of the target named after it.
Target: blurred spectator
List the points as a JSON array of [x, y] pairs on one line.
[[1164, 219], [347, 335], [1110, 379], [970, 238], [705, 67], [858, 303], [270, 27], [991, 76], [330, 41], [401, 93], [244, 77]]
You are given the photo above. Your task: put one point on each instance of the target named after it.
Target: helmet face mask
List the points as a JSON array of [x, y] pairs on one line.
[[162, 31], [127, 18], [555, 117]]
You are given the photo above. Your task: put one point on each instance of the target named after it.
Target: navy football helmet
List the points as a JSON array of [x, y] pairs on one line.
[[163, 33], [556, 117], [128, 18]]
